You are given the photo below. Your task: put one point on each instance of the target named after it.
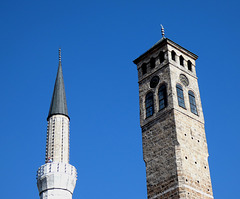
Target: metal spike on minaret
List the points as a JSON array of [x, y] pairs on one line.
[[162, 30], [59, 55]]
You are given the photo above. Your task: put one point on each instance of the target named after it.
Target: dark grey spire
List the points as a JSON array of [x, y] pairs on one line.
[[59, 102]]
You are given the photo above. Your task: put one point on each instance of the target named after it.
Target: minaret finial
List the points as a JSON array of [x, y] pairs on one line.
[[59, 55], [162, 30]]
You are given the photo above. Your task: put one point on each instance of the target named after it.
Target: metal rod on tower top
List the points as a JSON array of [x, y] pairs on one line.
[[162, 30]]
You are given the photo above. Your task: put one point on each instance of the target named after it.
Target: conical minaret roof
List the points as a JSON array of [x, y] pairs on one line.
[[59, 102]]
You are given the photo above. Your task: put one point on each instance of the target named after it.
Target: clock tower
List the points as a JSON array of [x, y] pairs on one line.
[[173, 135]]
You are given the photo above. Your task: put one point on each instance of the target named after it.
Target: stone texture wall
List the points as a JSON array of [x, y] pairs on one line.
[[191, 151], [192, 157], [174, 143], [159, 140]]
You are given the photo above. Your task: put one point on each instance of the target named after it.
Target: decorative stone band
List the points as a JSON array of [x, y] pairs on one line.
[[56, 176]]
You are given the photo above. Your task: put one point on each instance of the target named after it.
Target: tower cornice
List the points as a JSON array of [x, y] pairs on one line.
[[163, 41]]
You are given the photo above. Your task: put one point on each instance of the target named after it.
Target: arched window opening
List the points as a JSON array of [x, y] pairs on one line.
[[149, 105], [152, 63], [161, 57], [180, 96], [181, 59], [173, 56], [192, 101], [189, 64], [144, 68], [162, 96]]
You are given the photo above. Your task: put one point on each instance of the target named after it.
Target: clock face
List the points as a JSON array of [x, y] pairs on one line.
[[154, 81], [184, 80]]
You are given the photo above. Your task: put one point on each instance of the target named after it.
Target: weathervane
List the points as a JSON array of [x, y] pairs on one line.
[[162, 30]]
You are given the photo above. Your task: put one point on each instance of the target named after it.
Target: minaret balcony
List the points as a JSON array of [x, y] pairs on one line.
[[56, 175]]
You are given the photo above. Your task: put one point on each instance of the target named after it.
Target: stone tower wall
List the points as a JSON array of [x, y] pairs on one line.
[[159, 140], [191, 151], [192, 157]]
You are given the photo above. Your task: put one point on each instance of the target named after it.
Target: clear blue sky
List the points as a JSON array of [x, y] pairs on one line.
[[99, 40]]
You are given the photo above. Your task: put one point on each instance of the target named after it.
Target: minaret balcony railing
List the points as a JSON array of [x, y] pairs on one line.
[[56, 176], [56, 167]]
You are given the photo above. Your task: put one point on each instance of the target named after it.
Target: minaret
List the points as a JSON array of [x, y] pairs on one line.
[[56, 179], [173, 135]]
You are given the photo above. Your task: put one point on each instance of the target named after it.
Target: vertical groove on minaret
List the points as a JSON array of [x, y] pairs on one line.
[[46, 153], [68, 142], [62, 140], [53, 132]]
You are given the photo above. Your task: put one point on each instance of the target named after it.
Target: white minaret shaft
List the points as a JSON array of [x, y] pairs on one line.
[[57, 178], [57, 147]]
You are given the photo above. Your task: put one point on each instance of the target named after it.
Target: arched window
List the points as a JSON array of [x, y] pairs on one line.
[[162, 97], [149, 104], [180, 96], [189, 64], [181, 60], [161, 57], [152, 62], [144, 68], [173, 55], [192, 102]]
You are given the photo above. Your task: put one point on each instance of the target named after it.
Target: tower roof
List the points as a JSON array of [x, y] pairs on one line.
[[160, 43], [59, 102]]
